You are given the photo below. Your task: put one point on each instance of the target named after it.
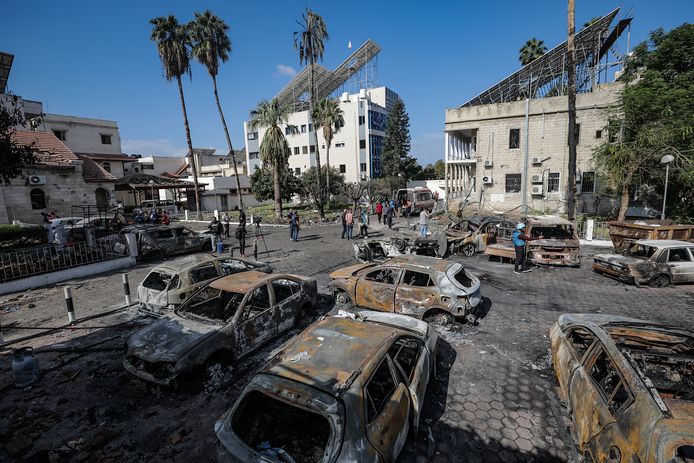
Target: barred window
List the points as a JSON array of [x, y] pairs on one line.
[[513, 183]]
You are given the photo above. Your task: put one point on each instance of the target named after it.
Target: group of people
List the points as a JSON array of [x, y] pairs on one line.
[[221, 228], [156, 216], [348, 220], [386, 210]]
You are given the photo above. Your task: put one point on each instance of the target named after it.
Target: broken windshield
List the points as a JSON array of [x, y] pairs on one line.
[[212, 304], [557, 232], [157, 281], [640, 250]]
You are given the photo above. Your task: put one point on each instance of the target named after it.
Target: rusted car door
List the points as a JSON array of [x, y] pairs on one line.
[[388, 411], [412, 360], [288, 299], [416, 293], [571, 347], [256, 322], [376, 289], [681, 264]]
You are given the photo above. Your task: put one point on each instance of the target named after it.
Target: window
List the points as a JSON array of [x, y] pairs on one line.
[[514, 139], [297, 150], [284, 289], [253, 155], [260, 299], [146, 167], [381, 386], [577, 134], [297, 171], [362, 144], [288, 130], [38, 198], [59, 134], [513, 183], [581, 339], [553, 182], [105, 139], [678, 255], [204, 272], [304, 149], [303, 128], [404, 354], [343, 168], [417, 279], [609, 383], [598, 134], [387, 276], [377, 121], [340, 145], [157, 281], [310, 127], [106, 165], [312, 148], [588, 182], [252, 135], [362, 167], [362, 119]]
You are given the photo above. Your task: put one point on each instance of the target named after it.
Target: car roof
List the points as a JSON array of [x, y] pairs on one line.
[[423, 262], [330, 354], [664, 243], [241, 282], [184, 263]]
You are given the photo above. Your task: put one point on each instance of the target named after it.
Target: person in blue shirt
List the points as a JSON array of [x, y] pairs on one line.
[[519, 239]]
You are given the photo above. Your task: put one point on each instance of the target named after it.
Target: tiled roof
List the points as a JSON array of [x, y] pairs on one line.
[[93, 172], [109, 157], [50, 150]]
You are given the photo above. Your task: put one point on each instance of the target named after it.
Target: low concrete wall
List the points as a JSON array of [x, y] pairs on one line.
[[82, 271]]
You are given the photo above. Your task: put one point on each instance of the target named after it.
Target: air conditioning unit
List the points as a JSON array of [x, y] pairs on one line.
[[578, 176], [487, 180], [537, 190], [537, 160], [37, 180], [488, 163], [537, 178]]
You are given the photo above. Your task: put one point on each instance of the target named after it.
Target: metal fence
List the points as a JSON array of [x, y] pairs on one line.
[[52, 257], [601, 230]]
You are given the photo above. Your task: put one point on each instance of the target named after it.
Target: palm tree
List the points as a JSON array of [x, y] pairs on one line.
[[531, 51], [211, 45], [309, 42], [172, 41], [274, 149], [327, 114]]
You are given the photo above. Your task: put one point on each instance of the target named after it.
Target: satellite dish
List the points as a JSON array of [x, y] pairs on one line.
[[349, 45]]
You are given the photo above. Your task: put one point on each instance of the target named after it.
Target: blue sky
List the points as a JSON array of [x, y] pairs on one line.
[[95, 59]]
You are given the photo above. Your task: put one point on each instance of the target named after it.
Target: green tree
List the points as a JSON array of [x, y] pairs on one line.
[[440, 169], [355, 191], [654, 118], [274, 149], [397, 165], [210, 45], [309, 185], [328, 115], [309, 41], [531, 50], [13, 157], [263, 184], [173, 44]]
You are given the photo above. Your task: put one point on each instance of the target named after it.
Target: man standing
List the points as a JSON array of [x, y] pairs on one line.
[[240, 234], [343, 217], [423, 223], [390, 212], [349, 221], [215, 231], [226, 220], [294, 225], [379, 210], [519, 239], [364, 223]]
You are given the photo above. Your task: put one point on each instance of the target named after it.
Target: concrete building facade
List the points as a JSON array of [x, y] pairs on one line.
[[356, 147]]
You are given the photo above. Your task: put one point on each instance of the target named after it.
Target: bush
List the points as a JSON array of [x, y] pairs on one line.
[[14, 236]]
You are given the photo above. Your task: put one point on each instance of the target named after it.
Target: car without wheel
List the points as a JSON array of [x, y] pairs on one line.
[[628, 385], [232, 316], [347, 389], [412, 285]]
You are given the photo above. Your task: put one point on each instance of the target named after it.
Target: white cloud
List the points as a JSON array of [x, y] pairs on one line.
[[284, 70], [160, 147]]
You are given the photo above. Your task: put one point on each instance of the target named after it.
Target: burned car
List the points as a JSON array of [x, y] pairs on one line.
[[473, 234], [629, 387], [232, 316], [381, 249], [656, 263], [165, 240], [412, 285], [169, 284], [347, 389]]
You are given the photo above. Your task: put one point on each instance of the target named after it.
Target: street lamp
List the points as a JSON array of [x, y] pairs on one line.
[[667, 159], [151, 185]]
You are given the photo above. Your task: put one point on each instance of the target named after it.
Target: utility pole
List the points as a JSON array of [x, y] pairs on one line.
[[571, 70]]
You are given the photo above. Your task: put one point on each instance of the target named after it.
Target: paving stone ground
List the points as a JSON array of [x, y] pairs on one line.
[[494, 399]]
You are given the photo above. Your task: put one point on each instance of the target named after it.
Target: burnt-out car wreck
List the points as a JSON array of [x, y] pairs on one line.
[[155, 241], [231, 316], [378, 250], [347, 389], [629, 386]]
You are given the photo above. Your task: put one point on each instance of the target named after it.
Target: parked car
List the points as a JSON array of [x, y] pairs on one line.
[[421, 198], [166, 205], [169, 284], [166, 240], [232, 316], [412, 285], [628, 385], [344, 390], [650, 262]]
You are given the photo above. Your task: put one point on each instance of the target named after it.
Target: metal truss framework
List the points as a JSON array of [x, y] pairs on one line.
[[359, 70], [547, 76]]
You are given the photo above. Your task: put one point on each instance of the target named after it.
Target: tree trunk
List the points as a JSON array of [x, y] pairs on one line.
[[571, 69], [327, 168], [231, 149], [278, 195], [624, 203], [191, 156], [311, 104]]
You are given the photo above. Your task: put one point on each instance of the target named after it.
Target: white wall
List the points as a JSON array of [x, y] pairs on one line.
[[83, 135]]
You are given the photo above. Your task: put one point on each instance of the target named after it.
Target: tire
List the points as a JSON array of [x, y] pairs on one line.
[[469, 250], [659, 281], [442, 318], [399, 244], [342, 298]]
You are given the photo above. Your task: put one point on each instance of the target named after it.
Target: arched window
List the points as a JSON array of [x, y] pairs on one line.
[[38, 198]]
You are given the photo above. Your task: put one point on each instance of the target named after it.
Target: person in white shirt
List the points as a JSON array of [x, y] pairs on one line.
[[423, 223]]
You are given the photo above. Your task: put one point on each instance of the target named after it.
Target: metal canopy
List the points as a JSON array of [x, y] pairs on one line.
[[141, 182], [5, 67], [546, 76]]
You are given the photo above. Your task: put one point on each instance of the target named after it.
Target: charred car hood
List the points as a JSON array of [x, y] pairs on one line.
[[350, 271], [168, 339], [552, 243], [619, 259]]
